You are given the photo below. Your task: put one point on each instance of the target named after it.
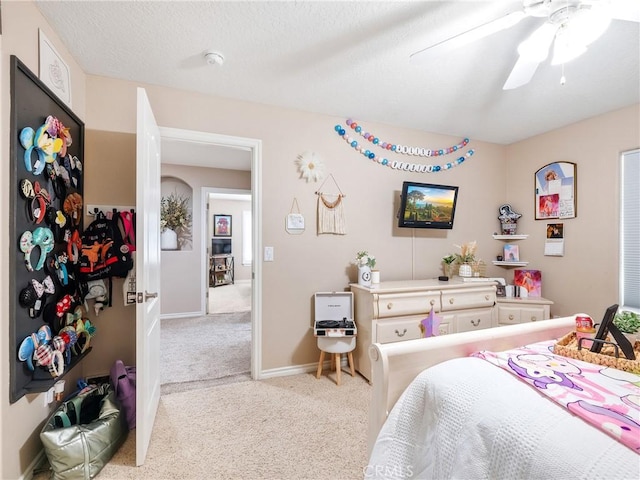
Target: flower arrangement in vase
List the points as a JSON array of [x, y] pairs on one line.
[[365, 264], [466, 258], [175, 219]]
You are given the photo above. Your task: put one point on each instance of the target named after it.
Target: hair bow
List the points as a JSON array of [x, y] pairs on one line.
[[89, 327], [46, 286], [74, 317]]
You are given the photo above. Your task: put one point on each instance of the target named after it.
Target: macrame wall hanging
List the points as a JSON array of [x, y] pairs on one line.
[[402, 149], [331, 211]]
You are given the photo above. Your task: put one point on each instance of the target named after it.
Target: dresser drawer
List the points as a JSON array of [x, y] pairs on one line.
[[476, 320], [400, 304], [468, 298], [512, 315], [389, 331], [508, 315]]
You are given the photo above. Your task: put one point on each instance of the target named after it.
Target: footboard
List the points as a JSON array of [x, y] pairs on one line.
[[395, 365]]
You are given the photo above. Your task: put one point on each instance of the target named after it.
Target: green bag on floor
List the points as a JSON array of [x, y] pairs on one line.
[[83, 434]]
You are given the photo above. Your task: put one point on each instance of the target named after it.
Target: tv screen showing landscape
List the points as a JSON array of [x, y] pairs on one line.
[[426, 205]]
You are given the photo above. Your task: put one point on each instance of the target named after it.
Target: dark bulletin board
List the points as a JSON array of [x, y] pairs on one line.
[[31, 103]]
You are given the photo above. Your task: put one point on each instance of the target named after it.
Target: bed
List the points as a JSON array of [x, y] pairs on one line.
[[437, 412]]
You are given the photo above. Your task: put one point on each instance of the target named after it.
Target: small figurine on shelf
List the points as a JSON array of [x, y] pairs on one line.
[[508, 219]]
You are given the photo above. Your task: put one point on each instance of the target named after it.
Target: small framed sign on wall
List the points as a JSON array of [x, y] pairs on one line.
[[221, 225]]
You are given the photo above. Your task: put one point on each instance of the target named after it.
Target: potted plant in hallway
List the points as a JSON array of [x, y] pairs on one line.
[[175, 219]]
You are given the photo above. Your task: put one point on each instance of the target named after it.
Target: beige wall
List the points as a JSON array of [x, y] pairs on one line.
[[584, 280], [21, 421]]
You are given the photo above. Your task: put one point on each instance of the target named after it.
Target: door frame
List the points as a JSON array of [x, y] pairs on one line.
[[255, 147]]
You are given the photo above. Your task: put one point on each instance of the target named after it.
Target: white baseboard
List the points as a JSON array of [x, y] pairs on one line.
[[168, 316], [28, 473], [297, 369]]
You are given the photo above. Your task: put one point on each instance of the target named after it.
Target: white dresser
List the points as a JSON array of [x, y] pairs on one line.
[[392, 311]]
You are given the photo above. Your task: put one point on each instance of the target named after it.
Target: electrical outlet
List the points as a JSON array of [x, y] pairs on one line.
[[48, 396]]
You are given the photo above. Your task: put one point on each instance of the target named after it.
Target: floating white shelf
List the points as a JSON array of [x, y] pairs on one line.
[[511, 237], [510, 264]]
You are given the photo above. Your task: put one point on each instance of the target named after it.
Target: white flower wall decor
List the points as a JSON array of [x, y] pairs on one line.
[[310, 166]]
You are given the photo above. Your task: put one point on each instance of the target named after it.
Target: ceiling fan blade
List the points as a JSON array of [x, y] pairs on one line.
[[521, 74], [533, 51], [472, 35], [625, 10]]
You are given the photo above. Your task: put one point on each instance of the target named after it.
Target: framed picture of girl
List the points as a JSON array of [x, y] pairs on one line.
[[222, 225]]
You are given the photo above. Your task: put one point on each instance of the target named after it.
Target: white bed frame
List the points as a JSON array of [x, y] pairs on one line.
[[395, 365]]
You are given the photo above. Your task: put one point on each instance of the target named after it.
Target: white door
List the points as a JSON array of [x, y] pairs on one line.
[[147, 274]]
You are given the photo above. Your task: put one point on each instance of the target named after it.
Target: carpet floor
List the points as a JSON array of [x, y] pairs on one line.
[[205, 351], [230, 298], [295, 427]]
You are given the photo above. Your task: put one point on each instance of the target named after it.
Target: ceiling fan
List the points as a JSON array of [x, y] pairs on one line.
[[570, 25]]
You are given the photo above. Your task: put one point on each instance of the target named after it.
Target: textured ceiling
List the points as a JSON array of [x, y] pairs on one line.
[[351, 59]]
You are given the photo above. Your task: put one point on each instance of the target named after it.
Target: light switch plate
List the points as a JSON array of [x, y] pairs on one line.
[[268, 254], [48, 396]]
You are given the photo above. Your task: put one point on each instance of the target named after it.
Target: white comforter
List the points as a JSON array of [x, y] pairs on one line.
[[468, 419]]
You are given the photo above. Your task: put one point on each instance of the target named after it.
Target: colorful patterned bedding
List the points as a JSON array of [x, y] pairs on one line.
[[606, 398]]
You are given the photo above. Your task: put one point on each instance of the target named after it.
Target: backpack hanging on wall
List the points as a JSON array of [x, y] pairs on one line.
[[104, 254]]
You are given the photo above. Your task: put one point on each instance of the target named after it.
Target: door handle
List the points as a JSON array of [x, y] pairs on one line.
[[148, 295]]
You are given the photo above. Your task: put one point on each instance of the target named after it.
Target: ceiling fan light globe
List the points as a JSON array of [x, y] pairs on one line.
[[587, 25]]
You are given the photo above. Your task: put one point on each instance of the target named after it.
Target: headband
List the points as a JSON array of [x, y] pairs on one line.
[[56, 366], [41, 237], [74, 246], [26, 350], [33, 295], [40, 199], [73, 207], [27, 140]]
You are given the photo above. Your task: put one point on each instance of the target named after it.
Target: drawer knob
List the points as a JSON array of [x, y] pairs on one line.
[[401, 334], [475, 323], [533, 319], [451, 301], [511, 317], [432, 302], [487, 297], [389, 306]]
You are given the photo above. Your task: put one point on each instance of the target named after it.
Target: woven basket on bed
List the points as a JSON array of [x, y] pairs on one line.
[[567, 346]]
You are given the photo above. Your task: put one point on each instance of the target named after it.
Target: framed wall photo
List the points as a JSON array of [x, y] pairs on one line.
[[555, 191], [54, 72], [511, 253], [222, 225]]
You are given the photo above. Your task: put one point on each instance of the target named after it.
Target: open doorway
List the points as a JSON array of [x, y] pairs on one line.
[[230, 249], [245, 274]]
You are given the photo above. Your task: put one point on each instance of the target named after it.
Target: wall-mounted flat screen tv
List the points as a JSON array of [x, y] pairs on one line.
[[220, 246], [426, 205]]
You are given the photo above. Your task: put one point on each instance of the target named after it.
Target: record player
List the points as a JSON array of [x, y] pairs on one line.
[[334, 315]]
